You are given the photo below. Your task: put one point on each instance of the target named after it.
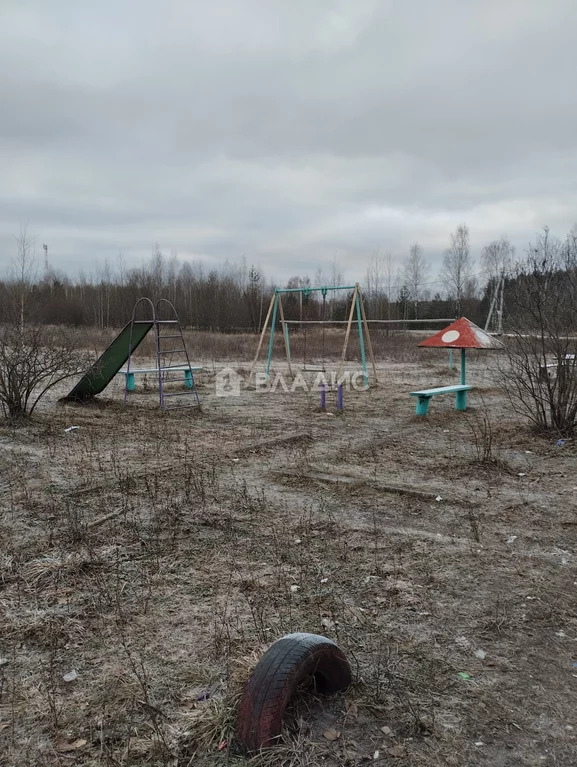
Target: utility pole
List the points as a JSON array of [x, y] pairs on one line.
[[491, 308], [46, 268], [498, 297], [500, 312]]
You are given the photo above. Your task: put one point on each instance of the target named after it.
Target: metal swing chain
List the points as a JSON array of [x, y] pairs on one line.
[[306, 294], [324, 293]]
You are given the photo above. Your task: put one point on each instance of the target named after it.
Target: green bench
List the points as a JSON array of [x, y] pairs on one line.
[[425, 395], [188, 373]]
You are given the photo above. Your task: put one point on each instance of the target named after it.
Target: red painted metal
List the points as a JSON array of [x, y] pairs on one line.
[[462, 334]]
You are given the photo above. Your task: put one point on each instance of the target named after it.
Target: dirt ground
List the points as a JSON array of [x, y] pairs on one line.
[[148, 558]]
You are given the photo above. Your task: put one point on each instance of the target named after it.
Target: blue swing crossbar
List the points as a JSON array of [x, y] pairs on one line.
[[310, 290]]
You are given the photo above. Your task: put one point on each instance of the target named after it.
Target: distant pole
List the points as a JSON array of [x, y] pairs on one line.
[[45, 247], [500, 312], [491, 307]]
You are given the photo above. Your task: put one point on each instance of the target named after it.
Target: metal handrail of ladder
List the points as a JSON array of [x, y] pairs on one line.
[[161, 355], [133, 322]]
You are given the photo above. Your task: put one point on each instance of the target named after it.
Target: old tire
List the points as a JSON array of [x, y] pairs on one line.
[[284, 666]]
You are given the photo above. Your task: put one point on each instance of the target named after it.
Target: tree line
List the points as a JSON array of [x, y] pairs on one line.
[[236, 296], [538, 294]]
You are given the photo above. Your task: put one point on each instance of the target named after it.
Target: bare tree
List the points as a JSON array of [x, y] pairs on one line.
[[496, 260], [330, 277], [541, 377], [391, 280], [374, 284], [336, 277], [254, 297], [105, 289], [457, 265], [381, 284], [23, 270], [497, 257], [415, 274]]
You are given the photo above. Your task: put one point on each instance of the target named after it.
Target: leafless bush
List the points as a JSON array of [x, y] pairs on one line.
[[485, 441], [33, 359], [541, 377]]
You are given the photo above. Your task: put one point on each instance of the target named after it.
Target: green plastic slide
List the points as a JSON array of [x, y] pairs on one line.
[[97, 378]]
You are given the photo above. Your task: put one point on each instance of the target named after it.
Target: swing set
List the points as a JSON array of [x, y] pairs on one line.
[[276, 311]]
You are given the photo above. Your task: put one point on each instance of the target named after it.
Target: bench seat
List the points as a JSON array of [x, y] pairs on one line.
[[424, 395], [188, 373]]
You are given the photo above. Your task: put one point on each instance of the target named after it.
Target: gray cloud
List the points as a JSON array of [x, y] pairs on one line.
[[292, 133]]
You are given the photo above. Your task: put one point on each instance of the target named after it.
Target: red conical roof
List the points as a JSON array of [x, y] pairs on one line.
[[463, 334]]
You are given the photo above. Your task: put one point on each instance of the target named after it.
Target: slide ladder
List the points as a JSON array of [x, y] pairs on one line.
[[171, 355]]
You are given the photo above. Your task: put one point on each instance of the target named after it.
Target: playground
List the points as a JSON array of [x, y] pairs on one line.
[[150, 557]]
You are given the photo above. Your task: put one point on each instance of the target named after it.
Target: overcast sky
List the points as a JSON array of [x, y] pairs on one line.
[[292, 131]]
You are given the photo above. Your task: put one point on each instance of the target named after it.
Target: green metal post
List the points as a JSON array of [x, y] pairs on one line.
[[288, 345], [423, 405], [362, 341], [272, 327], [461, 396], [450, 359]]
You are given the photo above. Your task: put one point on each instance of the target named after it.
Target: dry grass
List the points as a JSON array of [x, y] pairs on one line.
[[392, 345], [155, 557]]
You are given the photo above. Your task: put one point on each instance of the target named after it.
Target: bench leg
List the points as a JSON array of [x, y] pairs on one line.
[[188, 379], [461, 400], [423, 405], [130, 381]]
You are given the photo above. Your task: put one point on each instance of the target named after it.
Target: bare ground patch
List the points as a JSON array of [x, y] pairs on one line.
[[156, 555]]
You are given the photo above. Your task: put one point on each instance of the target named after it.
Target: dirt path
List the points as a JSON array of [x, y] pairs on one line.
[[157, 554]]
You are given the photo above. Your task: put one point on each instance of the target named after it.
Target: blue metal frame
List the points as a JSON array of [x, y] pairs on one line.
[[306, 291], [272, 329], [362, 341]]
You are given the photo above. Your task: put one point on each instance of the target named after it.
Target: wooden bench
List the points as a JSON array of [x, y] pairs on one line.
[[188, 373], [425, 395]]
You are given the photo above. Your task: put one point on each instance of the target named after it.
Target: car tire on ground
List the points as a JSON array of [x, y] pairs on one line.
[[285, 665]]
